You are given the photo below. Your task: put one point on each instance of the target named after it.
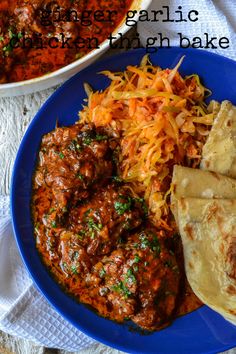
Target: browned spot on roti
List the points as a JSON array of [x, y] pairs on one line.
[[231, 290], [174, 187], [229, 123], [214, 174], [190, 265], [220, 223], [212, 211], [231, 259], [222, 248], [183, 203], [220, 220], [233, 312], [189, 231], [207, 163]]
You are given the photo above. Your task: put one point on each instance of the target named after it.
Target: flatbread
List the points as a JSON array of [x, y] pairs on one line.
[[195, 183], [208, 232], [204, 206], [219, 152]]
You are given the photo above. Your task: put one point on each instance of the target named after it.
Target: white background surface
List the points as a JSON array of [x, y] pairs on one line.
[[16, 113]]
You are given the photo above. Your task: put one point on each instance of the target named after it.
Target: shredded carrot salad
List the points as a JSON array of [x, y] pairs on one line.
[[161, 120]]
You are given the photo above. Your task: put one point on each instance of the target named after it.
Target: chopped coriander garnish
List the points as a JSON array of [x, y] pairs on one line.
[[117, 179], [129, 272], [130, 277], [82, 232], [121, 288], [80, 176], [36, 227], [74, 269], [143, 203], [1, 38], [102, 273], [61, 155], [53, 224], [145, 208], [80, 235], [87, 140], [136, 259], [100, 137], [64, 264], [74, 145], [126, 225], [8, 48], [75, 255], [122, 207], [155, 245], [144, 241], [93, 226], [87, 212], [11, 34]]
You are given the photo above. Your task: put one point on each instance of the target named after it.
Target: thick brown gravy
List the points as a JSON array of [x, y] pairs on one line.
[[96, 238]]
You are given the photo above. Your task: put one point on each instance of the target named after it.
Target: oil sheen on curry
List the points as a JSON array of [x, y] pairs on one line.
[[96, 237], [40, 36]]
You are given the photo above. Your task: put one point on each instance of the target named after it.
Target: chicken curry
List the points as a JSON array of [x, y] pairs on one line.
[[38, 37], [95, 236]]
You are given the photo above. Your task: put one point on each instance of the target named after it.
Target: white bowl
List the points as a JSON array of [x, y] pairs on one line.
[[58, 76]]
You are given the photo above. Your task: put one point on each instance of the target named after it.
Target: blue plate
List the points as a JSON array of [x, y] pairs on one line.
[[202, 331]]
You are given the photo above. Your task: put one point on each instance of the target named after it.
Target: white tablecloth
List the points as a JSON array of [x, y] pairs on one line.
[[16, 113]]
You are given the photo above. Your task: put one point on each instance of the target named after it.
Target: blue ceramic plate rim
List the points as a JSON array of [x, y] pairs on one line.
[[54, 294]]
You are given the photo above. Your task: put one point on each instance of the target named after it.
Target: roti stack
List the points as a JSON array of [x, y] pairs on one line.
[[208, 231], [195, 183], [219, 152], [204, 205]]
